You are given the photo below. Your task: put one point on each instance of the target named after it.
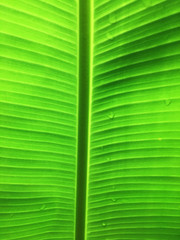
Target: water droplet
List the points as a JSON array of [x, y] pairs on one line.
[[111, 115], [104, 224], [43, 206], [112, 18], [167, 102], [114, 199], [109, 36]]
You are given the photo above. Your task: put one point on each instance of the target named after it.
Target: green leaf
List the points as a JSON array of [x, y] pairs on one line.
[[135, 157], [38, 116], [89, 119]]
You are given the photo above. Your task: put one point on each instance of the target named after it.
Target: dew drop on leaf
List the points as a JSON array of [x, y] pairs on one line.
[[167, 102], [104, 224], [111, 115], [43, 207], [114, 199], [109, 36]]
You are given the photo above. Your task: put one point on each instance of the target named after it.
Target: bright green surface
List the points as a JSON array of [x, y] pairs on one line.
[[38, 112], [134, 186], [133, 166]]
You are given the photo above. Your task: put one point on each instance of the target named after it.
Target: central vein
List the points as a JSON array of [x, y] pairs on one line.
[[83, 114]]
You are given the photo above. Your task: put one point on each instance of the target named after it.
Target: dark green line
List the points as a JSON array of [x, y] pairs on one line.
[[84, 70]]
